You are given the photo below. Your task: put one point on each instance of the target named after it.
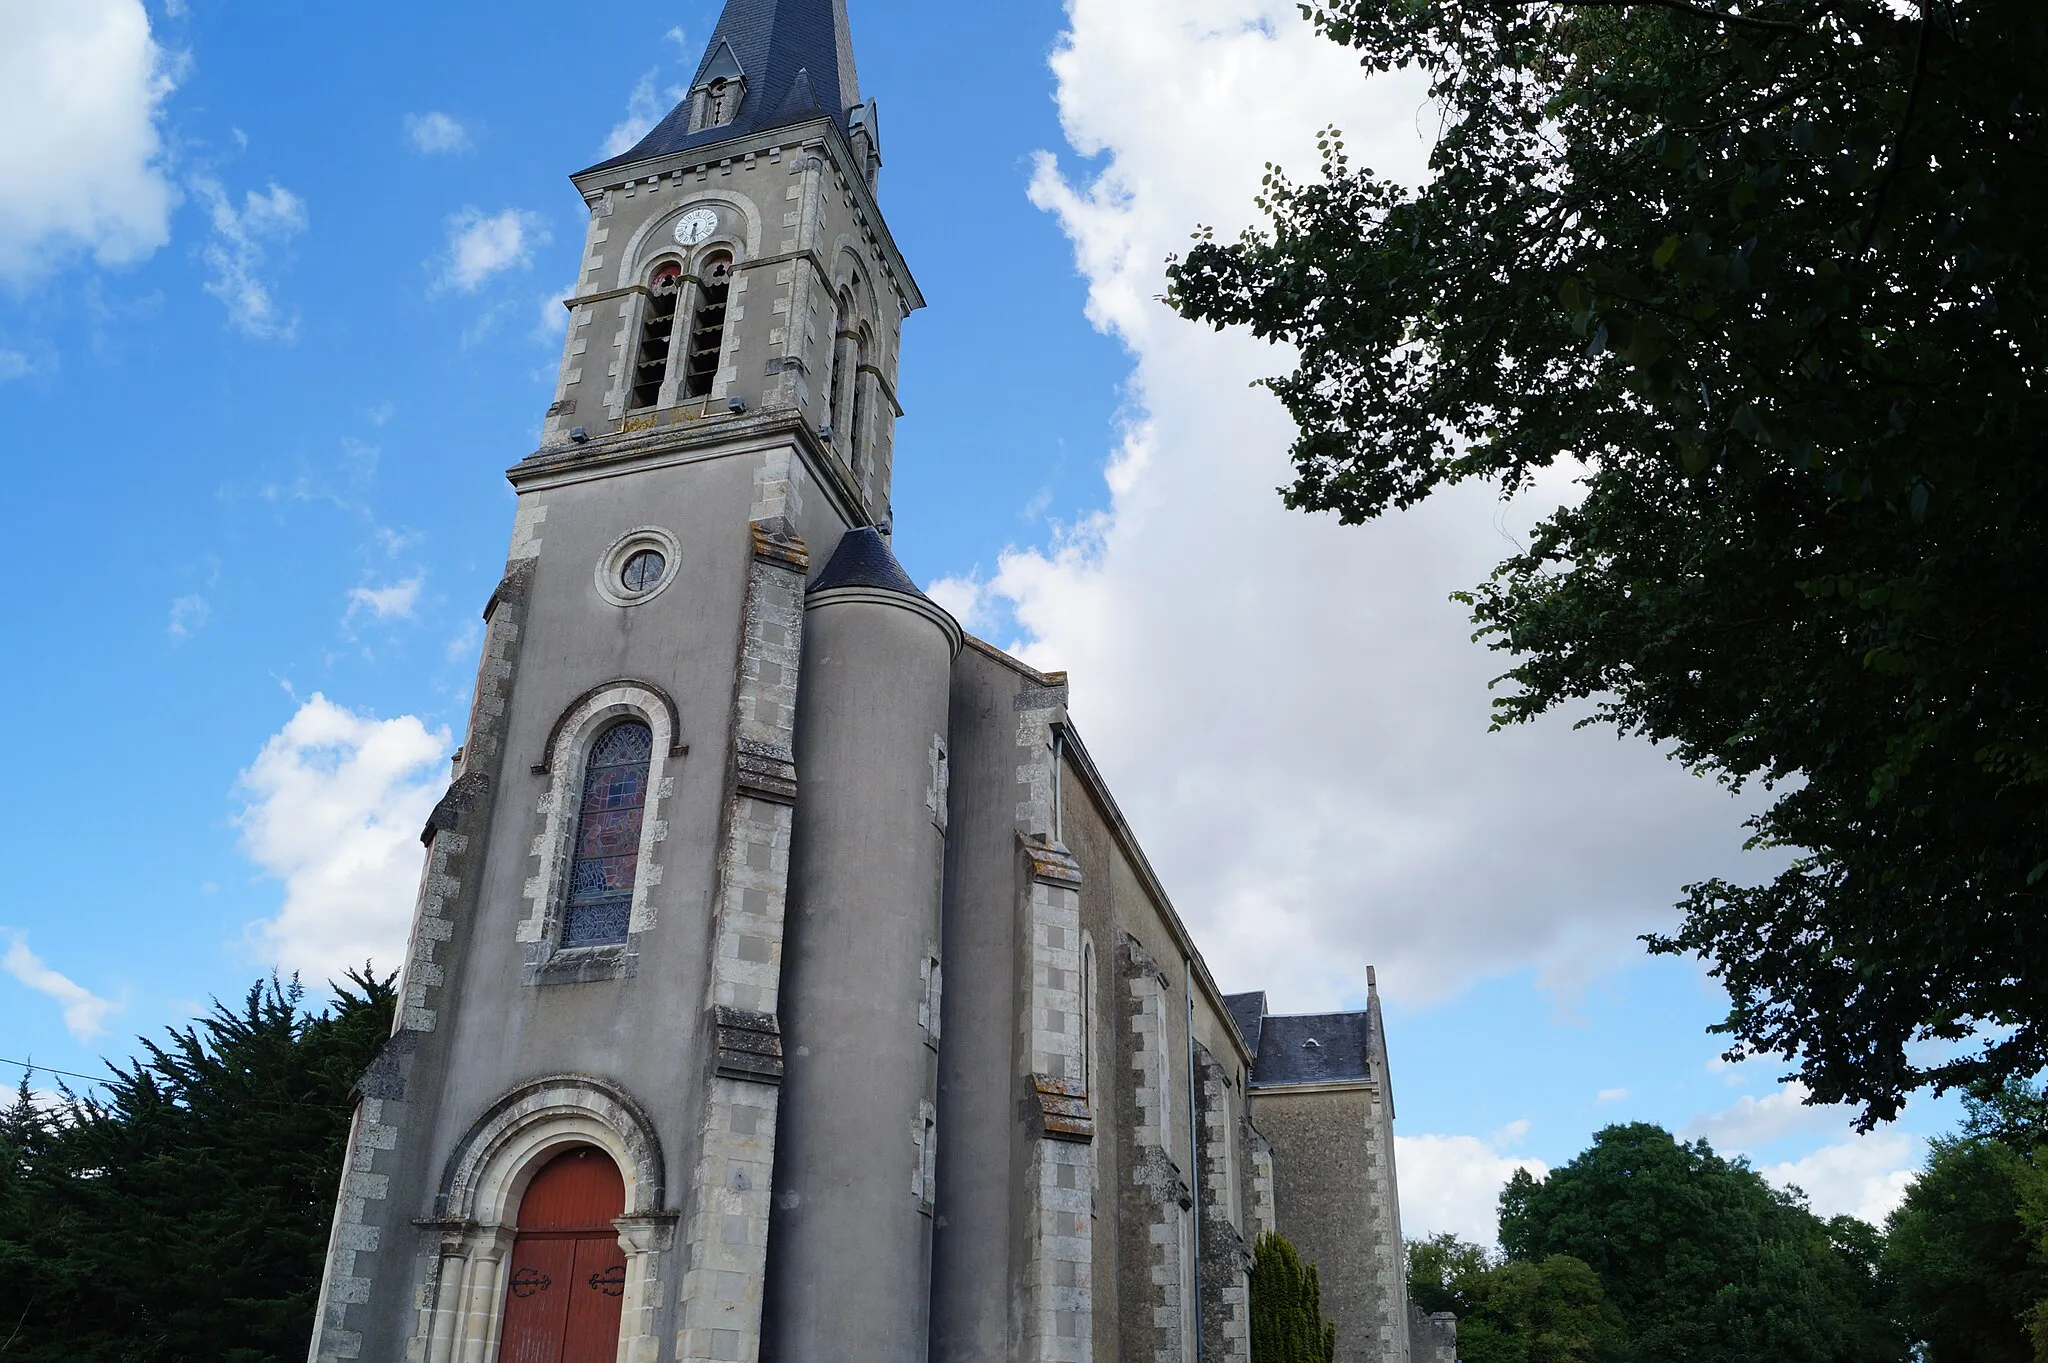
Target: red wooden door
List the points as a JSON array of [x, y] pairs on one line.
[[568, 1276]]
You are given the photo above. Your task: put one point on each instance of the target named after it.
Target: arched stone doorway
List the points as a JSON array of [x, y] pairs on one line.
[[567, 1278]]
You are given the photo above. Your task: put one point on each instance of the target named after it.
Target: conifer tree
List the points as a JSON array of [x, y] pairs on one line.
[[181, 1215], [1287, 1307]]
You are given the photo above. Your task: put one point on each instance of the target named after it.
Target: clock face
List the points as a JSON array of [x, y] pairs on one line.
[[696, 226]]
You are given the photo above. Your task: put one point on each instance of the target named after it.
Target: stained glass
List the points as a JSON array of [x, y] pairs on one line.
[[607, 860]]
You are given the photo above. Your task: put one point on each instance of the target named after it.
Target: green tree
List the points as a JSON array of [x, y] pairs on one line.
[[1703, 1259], [1965, 1252], [1287, 1307], [1513, 1311], [182, 1215], [1765, 276]]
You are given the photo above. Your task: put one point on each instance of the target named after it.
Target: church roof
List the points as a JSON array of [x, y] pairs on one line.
[[1313, 1048], [797, 58], [864, 559], [1247, 1011]]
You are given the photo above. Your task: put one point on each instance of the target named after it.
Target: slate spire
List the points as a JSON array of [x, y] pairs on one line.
[[796, 58]]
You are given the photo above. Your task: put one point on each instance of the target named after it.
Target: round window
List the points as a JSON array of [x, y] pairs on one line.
[[639, 566], [643, 571]]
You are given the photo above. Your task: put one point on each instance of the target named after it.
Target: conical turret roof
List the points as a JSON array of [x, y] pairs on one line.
[[864, 559], [796, 57]]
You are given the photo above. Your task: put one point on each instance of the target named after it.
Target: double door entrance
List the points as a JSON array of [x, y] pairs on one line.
[[567, 1278]]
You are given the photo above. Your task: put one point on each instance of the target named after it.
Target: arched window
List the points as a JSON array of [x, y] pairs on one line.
[[599, 910], [1087, 1014], [657, 330], [837, 393], [857, 437], [707, 327]]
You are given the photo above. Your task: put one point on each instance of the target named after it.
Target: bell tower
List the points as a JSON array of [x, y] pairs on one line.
[[675, 961], [737, 263]]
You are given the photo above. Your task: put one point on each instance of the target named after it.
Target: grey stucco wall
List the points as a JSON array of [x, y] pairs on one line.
[[849, 1243], [980, 1138]]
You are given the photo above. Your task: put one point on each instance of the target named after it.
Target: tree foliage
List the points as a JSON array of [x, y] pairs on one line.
[[181, 1216], [1968, 1249], [1515, 1311], [1702, 1259], [1764, 274], [1287, 1307]]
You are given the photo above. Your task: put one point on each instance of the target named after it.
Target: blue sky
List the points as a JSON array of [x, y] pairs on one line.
[[277, 308]]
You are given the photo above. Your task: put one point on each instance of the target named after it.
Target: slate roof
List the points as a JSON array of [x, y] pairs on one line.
[[797, 57], [864, 559], [1314, 1048], [1247, 1011]]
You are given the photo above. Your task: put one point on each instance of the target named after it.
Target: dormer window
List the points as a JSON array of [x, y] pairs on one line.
[[722, 104], [720, 89]]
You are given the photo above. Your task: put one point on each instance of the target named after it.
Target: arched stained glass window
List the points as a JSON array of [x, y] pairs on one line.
[[607, 864]]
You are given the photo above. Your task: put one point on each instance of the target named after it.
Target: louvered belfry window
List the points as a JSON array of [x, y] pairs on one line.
[[650, 365], [707, 328], [608, 824]]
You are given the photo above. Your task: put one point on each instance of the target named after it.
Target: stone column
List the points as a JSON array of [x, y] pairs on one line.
[[1156, 1199], [727, 1228], [481, 1317], [1058, 1273], [1225, 1289], [645, 1239]]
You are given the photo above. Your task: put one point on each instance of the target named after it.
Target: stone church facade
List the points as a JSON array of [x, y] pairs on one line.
[[785, 982]]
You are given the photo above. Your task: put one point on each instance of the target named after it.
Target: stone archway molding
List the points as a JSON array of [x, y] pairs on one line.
[[478, 1206]]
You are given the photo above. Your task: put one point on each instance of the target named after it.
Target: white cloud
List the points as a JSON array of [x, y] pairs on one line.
[[1753, 1123], [1612, 1096], [436, 134], [966, 599], [1453, 1183], [1866, 1178], [554, 318], [644, 109], [1861, 1176], [85, 1013], [336, 803], [239, 252], [189, 615], [15, 365], [82, 85], [1292, 711], [480, 247], [395, 602]]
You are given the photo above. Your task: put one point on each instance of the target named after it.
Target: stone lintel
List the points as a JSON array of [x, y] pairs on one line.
[[766, 773], [468, 790], [777, 543], [1063, 1109], [749, 1045], [1051, 862]]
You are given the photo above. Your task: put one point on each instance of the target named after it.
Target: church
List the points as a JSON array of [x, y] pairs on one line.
[[785, 982]]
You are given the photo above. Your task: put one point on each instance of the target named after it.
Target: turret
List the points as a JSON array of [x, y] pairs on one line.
[[849, 1248]]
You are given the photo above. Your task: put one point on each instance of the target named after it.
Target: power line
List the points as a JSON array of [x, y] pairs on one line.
[[45, 1069]]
